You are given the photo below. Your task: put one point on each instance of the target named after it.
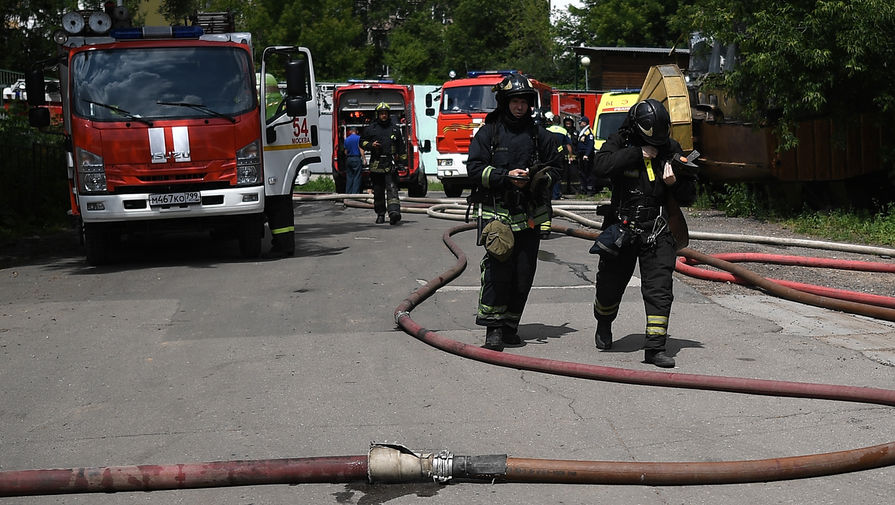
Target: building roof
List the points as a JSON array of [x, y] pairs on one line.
[[655, 50]]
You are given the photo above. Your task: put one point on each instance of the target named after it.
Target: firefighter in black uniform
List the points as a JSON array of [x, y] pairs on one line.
[[640, 161], [385, 143], [513, 164]]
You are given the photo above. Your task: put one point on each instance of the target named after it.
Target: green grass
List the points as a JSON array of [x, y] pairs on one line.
[[840, 225], [318, 184]]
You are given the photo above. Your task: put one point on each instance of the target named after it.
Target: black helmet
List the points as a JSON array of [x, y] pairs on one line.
[[515, 84], [651, 121]]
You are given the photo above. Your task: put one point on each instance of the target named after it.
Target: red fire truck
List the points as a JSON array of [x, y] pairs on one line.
[[464, 103], [576, 103], [164, 128], [354, 105]]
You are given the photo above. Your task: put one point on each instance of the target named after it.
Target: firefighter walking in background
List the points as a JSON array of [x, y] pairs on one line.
[[648, 181], [385, 143], [562, 138], [513, 164], [584, 151]]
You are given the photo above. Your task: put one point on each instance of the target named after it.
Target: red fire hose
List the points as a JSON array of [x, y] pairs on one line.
[[442, 466], [686, 266], [671, 473]]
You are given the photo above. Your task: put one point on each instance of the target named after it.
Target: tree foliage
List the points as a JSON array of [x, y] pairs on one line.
[[627, 23], [795, 58], [802, 58]]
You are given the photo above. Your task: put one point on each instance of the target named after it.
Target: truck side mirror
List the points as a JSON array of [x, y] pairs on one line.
[[297, 78], [428, 99], [34, 88], [296, 106], [427, 146]]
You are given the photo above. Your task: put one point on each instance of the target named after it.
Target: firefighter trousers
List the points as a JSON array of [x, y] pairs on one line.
[[506, 284], [281, 220], [656, 282], [385, 193]]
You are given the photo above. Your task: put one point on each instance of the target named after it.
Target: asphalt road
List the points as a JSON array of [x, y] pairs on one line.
[[181, 352]]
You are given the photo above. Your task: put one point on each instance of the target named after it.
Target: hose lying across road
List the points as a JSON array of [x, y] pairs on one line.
[[393, 463]]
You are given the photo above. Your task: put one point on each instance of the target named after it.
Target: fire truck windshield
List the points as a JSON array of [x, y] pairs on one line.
[[157, 83], [468, 99], [609, 123]]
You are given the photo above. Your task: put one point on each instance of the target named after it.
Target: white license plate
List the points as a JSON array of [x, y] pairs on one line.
[[175, 198]]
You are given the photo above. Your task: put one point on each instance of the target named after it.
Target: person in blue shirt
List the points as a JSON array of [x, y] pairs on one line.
[[353, 162]]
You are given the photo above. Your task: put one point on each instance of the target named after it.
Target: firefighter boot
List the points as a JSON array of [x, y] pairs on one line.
[[282, 245], [493, 339], [380, 218], [394, 217], [509, 336], [603, 336], [658, 357]]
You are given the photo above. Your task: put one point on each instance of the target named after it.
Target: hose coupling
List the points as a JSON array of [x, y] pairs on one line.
[[389, 462], [443, 466], [401, 314]]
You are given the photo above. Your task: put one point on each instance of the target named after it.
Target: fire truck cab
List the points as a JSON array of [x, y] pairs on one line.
[[464, 103], [354, 105], [164, 128]]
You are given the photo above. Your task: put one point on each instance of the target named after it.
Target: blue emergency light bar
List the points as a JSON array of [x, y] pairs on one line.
[[479, 73], [371, 81], [158, 32]]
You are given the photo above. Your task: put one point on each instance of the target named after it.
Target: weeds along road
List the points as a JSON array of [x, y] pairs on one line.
[[181, 352]]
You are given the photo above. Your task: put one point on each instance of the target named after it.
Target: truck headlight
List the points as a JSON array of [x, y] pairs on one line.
[[248, 164], [91, 171]]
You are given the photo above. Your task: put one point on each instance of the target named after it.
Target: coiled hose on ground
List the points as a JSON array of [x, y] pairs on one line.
[[390, 463]]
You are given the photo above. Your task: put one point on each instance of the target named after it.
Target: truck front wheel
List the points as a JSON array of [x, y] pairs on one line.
[[250, 231], [98, 241], [339, 180], [452, 190], [418, 187]]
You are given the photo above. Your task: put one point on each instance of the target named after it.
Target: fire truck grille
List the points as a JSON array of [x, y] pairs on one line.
[[177, 177], [172, 188]]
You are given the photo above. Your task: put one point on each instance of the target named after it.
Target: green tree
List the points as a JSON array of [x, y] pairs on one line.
[[615, 23], [802, 58], [624, 23], [530, 45], [26, 33], [415, 51]]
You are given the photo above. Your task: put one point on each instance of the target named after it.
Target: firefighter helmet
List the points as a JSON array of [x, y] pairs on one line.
[[380, 108], [515, 84], [651, 121]]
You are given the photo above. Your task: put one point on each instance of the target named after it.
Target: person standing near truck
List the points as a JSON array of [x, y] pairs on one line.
[[385, 143], [354, 162], [513, 163]]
